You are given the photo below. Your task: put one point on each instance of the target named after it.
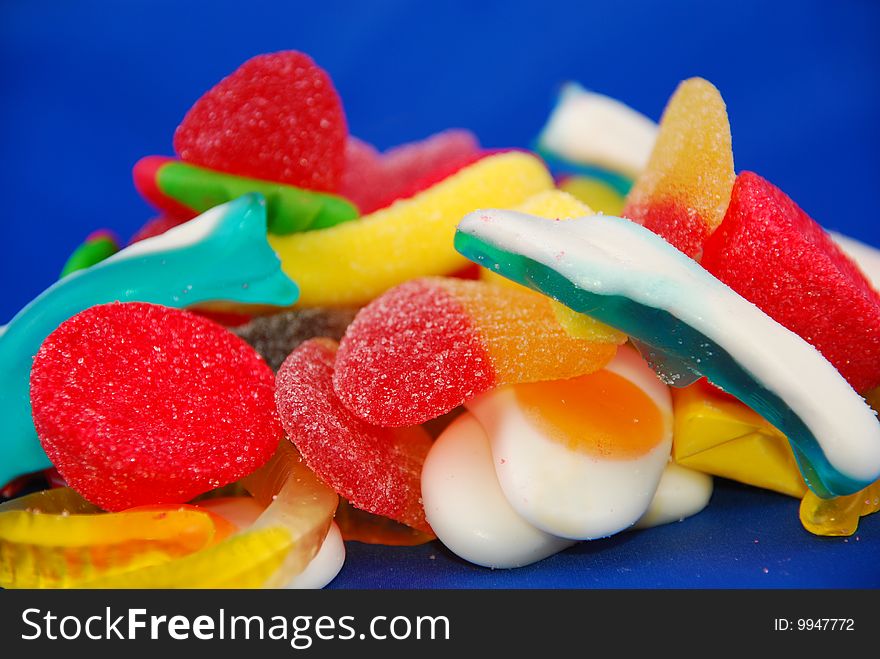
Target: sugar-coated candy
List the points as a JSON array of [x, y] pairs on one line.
[[222, 255], [773, 254], [289, 208], [467, 507], [97, 247], [354, 262], [276, 118], [142, 404], [279, 545], [629, 278], [865, 256], [426, 346], [598, 135], [681, 493], [62, 550], [375, 469], [277, 335], [560, 205], [373, 180], [717, 434], [581, 458], [685, 188]]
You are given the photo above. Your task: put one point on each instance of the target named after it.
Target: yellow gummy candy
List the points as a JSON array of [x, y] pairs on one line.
[[560, 205], [353, 262], [522, 337], [840, 515], [724, 437], [246, 560], [48, 550], [685, 189], [554, 205], [596, 194], [278, 546]]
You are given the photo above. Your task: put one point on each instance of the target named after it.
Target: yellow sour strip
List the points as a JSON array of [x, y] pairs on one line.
[[354, 262]]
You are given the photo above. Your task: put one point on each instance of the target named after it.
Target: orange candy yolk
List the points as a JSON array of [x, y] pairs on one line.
[[601, 414]]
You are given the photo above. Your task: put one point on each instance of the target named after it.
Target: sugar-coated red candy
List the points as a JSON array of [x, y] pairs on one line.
[[140, 404], [277, 118], [412, 354], [375, 469], [771, 252], [374, 180]]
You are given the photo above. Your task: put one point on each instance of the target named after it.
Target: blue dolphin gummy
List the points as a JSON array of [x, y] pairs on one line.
[[687, 323], [222, 255]]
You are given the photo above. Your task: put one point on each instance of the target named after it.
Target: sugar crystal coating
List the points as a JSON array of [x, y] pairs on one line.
[[373, 180], [375, 469], [277, 117], [684, 191], [773, 254], [427, 346], [413, 353], [141, 404], [354, 262], [276, 336]]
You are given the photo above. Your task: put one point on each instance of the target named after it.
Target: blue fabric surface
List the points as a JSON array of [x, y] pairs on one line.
[[89, 87], [745, 538]]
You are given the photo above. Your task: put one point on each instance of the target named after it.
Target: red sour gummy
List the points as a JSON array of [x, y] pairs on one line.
[[769, 251], [375, 469], [412, 353], [374, 180], [277, 118], [140, 404]]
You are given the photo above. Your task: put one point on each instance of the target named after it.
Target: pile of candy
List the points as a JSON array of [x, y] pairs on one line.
[[434, 342]]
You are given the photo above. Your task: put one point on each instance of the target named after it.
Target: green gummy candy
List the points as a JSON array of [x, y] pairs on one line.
[[92, 251], [289, 209]]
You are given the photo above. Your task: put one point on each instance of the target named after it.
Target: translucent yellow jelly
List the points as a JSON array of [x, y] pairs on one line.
[[277, 547], [720, 436], [60, 550], [839, 516], [354, 262]]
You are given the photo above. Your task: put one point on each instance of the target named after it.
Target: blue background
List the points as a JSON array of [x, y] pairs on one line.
[[89, 87]]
